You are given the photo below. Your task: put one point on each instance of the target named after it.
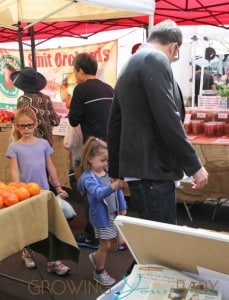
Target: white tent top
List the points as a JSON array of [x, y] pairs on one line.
[[34, 11]]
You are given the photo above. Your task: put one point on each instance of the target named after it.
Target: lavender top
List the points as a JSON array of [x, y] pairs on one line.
[[31, 159]]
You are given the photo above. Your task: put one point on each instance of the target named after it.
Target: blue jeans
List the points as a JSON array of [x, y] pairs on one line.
[[154, 200]]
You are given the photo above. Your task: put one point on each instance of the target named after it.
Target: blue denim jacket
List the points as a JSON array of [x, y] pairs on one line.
[[96, 193]]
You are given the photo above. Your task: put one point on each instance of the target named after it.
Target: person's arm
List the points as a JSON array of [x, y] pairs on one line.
[[98, 190], [121, 202], [213, 87], [54, 177], [113, 138], [200, 178], [14, 171], [212, 83], [159, 90], [76, 110]]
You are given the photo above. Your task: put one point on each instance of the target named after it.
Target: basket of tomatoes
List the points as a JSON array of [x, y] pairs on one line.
[[6, 119]]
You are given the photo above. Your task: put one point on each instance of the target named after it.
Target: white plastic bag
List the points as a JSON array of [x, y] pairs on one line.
[[73, 138], [66, 207], [73, 141]]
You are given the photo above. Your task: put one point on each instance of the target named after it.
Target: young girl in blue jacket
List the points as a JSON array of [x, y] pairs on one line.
[[106, 201]]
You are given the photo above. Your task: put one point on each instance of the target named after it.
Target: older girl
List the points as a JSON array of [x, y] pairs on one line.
[[30, 160]]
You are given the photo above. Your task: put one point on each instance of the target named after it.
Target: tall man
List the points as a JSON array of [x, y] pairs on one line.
[[90, 107], [146, 140]]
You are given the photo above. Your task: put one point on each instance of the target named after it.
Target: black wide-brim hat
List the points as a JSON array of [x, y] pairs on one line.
[[28, 80]]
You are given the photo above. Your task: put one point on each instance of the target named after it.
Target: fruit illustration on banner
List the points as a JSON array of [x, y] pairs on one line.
[[8, 64]]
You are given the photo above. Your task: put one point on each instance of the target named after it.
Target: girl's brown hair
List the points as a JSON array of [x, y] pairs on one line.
[[91, 148], [21, 112]]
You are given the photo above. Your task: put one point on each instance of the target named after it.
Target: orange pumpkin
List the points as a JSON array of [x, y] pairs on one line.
[[11, 189], [12, 184], [3, 186], [10, 199], [33, 188], [22, 193], [1, 202], [16, 184], [20, 183], [3, 193]]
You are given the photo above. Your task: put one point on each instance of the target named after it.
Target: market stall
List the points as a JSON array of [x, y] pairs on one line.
[[214, 154], [208, 130]]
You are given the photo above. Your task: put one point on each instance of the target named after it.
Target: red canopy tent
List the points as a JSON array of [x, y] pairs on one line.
[[184, 12]]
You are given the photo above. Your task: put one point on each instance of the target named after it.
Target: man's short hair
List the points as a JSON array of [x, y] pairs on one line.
[[86, 62], [166, 32]]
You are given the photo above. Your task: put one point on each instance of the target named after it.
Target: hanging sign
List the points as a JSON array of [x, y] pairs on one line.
[[57, 66]]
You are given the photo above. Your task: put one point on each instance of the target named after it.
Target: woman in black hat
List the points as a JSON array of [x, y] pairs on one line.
[[31, 83]]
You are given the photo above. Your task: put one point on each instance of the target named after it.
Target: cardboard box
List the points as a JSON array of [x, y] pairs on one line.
[[201, 253]]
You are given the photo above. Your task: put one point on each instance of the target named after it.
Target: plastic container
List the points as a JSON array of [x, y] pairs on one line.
[[214, 129], [188, 128], [204, 115], [222, 116], [197, 126]]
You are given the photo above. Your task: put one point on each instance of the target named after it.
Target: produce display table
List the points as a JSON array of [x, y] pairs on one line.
[[37, 222], [60, 158], [214, 154]]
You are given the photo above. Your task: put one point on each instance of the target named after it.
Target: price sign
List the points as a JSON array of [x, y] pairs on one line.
[[209, 102], [62, 128]]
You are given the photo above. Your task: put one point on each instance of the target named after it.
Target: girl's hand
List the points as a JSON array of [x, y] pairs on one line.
[[117, 184], [122, 212], [62, 193], [121, 183]]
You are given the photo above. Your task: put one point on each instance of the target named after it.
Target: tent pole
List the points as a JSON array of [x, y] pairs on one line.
[[19, 34], [150, 26], [33, 47]]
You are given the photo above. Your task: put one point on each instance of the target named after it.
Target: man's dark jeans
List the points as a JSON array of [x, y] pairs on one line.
[[154, 200]]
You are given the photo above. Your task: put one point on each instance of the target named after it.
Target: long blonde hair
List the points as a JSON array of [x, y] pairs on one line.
[[21, 112], [91, 148]]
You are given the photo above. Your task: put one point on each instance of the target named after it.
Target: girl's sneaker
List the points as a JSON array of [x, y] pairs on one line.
[[58, 267], [104, 278], [122, 247], [27, 259]]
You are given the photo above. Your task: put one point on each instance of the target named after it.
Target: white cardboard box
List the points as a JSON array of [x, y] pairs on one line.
[[201, 253]]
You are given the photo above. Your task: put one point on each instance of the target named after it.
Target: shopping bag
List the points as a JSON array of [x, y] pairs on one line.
[[66, 207]]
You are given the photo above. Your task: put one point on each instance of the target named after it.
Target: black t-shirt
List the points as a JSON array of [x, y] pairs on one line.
[[90, 107]]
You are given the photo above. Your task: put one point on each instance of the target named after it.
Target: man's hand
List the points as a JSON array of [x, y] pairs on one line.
[[200, 179]]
